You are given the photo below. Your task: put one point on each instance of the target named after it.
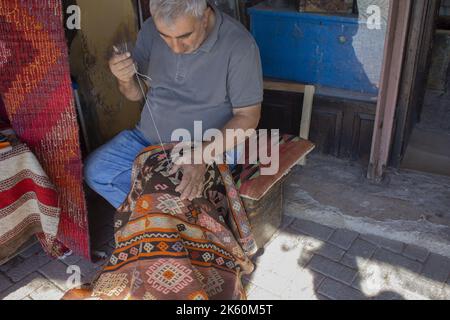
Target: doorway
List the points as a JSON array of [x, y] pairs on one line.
[[428, 149]]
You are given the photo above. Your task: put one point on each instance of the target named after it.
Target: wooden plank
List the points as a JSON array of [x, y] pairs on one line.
[[397, 33], [287, 86], [305, 124]]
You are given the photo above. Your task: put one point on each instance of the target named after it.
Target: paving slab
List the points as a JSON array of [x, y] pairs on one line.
[[27, 266], [416, 253], [58, 273], [269, 281], [47, 291], [391, 245], [5, 283], [11, 264], [303, 285], [354, 262], [24, 287], [343, 238], [313, 229], [331, 252], [332, 269], [337, 291], [396, 260], [259, 294], [34, 249], [361, 249], [437, 268]]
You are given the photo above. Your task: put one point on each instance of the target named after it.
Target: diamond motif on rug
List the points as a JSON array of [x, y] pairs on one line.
[[171, 205], [168, 276]]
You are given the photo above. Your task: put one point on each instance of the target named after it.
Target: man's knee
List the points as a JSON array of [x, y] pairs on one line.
[[109, 161]]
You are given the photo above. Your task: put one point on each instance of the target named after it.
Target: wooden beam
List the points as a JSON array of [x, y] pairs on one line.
[[308, 100], [394, 52], [305, 124], [286, 86]]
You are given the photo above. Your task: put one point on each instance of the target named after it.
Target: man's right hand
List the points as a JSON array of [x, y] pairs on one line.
[[122, 67]]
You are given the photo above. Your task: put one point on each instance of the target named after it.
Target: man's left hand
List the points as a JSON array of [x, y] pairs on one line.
[[191, 186]]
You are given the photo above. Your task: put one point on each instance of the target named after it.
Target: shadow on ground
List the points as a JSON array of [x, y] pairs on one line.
[[307, 261]]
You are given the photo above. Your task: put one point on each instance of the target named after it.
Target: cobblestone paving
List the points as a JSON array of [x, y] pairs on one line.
[[303, 261]]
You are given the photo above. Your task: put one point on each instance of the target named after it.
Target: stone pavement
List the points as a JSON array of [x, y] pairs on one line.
[[408, 206], [304, 260]]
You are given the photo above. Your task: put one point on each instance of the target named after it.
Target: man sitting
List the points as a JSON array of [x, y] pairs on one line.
[[204, 66]]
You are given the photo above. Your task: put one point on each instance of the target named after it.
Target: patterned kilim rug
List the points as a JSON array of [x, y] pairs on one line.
[[173, 249], [36, 88]]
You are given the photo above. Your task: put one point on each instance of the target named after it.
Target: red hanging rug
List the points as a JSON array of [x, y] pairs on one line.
[[36, 89]]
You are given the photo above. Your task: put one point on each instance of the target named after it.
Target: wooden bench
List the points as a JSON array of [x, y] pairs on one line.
[[265, 207]]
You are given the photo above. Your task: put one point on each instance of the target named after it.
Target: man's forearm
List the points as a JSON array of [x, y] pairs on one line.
[[240, 123], [236, 124], [131, 90]]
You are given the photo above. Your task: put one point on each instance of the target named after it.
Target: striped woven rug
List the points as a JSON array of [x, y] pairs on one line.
[[28, 201], [36, 89]]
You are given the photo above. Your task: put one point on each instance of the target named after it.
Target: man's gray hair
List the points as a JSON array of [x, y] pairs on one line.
[[170, 10]]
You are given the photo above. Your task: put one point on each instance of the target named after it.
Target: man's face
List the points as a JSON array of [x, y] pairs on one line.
[[186, 34]]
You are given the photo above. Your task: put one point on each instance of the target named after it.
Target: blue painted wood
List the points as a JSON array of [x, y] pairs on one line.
[[328, 50]]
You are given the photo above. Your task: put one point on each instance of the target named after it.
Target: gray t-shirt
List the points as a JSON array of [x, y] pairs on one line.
[[224, 73]]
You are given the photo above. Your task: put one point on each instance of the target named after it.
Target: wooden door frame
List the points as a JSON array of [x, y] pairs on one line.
[[407, 58], [394, 52]]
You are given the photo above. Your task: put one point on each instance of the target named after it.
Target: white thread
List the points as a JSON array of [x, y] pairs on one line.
[[151, 114], [143, 75], [148, 107]]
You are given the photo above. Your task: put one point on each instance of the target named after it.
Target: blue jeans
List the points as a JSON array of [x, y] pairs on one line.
[[107, 170]]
